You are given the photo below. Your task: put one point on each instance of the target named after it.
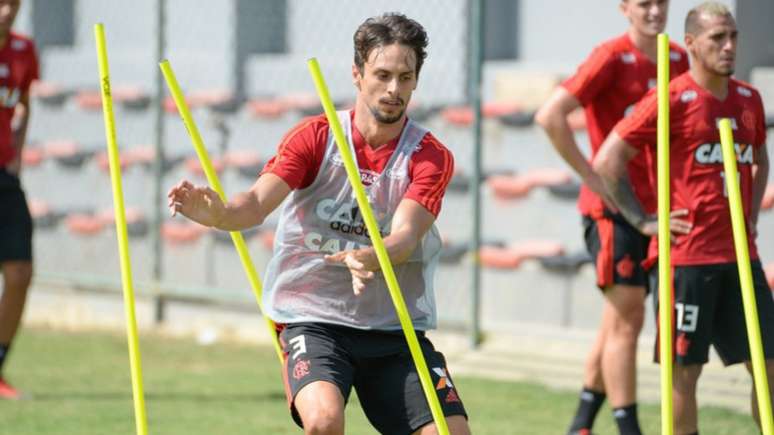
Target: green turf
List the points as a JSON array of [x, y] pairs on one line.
[[79, 384]]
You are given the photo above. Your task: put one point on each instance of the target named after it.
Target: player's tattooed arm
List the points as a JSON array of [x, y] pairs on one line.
[[610, 163]]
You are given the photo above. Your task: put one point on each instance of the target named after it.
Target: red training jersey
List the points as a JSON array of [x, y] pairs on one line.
[[608, 84], [18, 68], [302, 150], [696, 161]]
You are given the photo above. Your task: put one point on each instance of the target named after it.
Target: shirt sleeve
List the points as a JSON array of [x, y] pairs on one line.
[[639, 128], [300, 153], [593, 75], [431, 170]]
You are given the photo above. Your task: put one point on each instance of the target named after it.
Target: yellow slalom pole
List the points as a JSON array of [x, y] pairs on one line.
[[665, 308], [140, 418], [212, 178], [745, 276], [378, 244]]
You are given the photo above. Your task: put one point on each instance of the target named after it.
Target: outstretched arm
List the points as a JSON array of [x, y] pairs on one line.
[[201, 204], [409, 225]]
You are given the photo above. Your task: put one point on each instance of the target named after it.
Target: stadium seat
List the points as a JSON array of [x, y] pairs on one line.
[[517, 119], [768, 198], [170, 107], [247, 163], [565, 263], [224, 237], [182, 232], [519, 186], [131, 97], [49, 93], [305, 103], [136, 222], [569, 190], [84, 224], [269, 108], [511, 257], [421, 113], [499, 258], [67, 153], [43, 216], [194, 167], [32, 156], [508, 186], [89, 99], [218, 100]]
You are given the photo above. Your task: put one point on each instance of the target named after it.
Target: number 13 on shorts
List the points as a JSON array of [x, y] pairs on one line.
[[687, 316]]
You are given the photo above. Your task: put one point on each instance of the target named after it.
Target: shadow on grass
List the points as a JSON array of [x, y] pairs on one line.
[[172, 396]]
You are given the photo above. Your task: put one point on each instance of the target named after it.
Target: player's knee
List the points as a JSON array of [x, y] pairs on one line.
[[322, 421], [685, 378], [17, 275]]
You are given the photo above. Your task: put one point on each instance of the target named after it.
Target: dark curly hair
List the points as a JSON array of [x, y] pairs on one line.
[[388, 29]]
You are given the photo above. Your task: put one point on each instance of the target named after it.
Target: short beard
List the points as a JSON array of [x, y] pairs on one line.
[[382, 119]]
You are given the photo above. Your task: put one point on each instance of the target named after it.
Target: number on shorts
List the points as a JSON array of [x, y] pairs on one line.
[[687, 317]]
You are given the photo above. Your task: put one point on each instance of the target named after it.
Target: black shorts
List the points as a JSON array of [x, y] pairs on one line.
[[15, 221], [617, 249], [709, 310], [377, 363]]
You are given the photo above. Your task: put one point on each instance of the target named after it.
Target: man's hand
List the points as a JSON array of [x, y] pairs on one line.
[[593, 181], [353, 260], [200, 204], [677, 226]]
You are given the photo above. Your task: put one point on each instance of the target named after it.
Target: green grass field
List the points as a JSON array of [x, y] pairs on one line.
[[79, 384]]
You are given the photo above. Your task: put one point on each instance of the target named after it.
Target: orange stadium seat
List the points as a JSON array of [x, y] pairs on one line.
[[246, 162], [270, 108], [84, 224], [519, 186], [136, 222], [184, 232], [499, 258], [32, 156], [43, 216], [768, 198], [194, 167], [218, 99], [48, 92], [89, 99], [67, 153], [508, 186], [302, 102], [511, 257], [131, 97]]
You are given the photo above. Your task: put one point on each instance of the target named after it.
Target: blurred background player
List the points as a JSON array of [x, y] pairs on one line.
[[18, 68], [339, 327], [607, 84], [707, 295]]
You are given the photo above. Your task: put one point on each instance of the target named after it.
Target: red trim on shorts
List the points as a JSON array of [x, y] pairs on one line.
[[605, 260]]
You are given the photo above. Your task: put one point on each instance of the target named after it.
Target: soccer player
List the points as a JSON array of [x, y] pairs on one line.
[[707, 295], [607, 85], [323, 286], [18, 68]]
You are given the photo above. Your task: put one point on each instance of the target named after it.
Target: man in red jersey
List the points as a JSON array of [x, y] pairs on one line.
[[607, 85], [707, 295], [18, 68], [323, 286]]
